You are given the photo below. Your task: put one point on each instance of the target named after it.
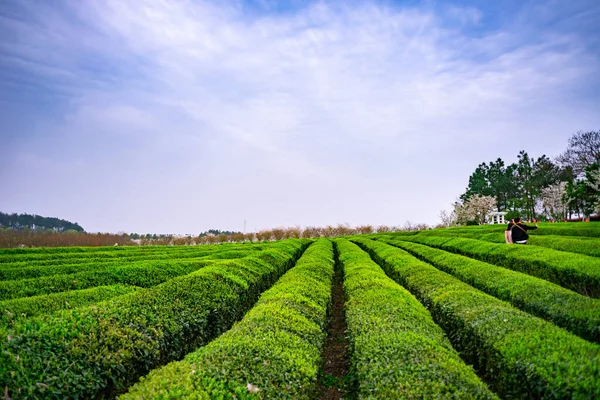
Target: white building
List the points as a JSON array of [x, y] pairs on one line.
[[496, 217]]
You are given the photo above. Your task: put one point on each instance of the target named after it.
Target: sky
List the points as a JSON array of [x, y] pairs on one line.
[[179, 116]]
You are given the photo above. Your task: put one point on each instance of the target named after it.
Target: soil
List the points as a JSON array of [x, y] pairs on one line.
[[333, 383]]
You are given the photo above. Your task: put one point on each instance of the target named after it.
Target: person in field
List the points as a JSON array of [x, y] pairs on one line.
[[517, 232], [507, 235]]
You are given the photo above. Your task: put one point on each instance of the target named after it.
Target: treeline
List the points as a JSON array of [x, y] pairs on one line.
[[154, 236], [266, 235], [36, 222], [10, 238], [543, 188]]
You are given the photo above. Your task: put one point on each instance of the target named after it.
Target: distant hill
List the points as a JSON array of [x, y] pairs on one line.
[[37, 222]]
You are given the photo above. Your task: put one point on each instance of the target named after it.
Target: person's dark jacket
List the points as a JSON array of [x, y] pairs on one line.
[[519, 232]]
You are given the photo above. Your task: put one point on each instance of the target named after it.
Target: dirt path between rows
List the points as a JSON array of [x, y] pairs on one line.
[[333, 383]]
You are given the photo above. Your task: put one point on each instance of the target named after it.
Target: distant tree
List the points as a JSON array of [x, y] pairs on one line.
[[311, 232], [329, 231], [583, 151], [263, 235], [384, 229], [582, 194], [365, 229], [293, 232], [448, 218], [37, 222], [476, 209], [553, 200], [527, 188], [496, 180]]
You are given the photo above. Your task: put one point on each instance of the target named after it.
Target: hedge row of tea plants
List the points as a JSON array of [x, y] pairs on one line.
[[143, 274], [274, 352], [397, 350], [521, 356], [69, 249], [582, 245], [578, 229], [102, 264], [100, 350], [570, 310], [573, 271], [589, 246], [57, 253], [17, 309], [591, 229], [131, 254], [43, 260]]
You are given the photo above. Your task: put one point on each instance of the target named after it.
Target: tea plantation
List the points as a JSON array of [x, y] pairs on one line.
[[446, 313]]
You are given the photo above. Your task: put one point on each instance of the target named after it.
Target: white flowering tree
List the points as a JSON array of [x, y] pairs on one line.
[[475, 208], [553, 200]]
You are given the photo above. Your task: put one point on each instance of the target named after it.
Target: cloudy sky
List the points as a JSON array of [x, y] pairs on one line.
[[177, 116]]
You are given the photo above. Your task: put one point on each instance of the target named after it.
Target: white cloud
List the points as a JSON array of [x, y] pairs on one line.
[[370, 108]]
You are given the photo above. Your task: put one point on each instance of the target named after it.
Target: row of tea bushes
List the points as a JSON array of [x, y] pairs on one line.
[[18, 309], [572, 311], [397, 350], [8, 256], [143, 274], [573, 271], [100, 350], [521, 356], [14, 274], [105, 264], [43, 260], [582, 245], [274, 352], [589, 246]]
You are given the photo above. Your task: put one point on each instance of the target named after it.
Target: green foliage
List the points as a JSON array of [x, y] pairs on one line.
[[272, 353], [17, 309], [520, 355], [217, 232], [573, 271], [515, 187], [496, 180], [397, 349], [143, 274], [34, 257], [21, 221], [100, 350], [102, 262], [572, 311], [589, 246]]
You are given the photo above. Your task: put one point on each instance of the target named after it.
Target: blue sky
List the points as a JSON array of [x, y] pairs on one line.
[[180, 116]]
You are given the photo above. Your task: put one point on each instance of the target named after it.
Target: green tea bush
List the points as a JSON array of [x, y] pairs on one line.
[[100, 350], [90, 265], [17, 309], [397, 350], [43, 260], [123, 254], [589, 246], [274, 352], [144, 274], [573, 271], [572, 311], [521, 356]]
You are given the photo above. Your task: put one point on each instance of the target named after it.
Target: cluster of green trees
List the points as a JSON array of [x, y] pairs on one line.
[[37, 222], [541, 188], [148, 236]]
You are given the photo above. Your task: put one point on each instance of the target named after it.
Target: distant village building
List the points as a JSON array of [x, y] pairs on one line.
[[497, 217]]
